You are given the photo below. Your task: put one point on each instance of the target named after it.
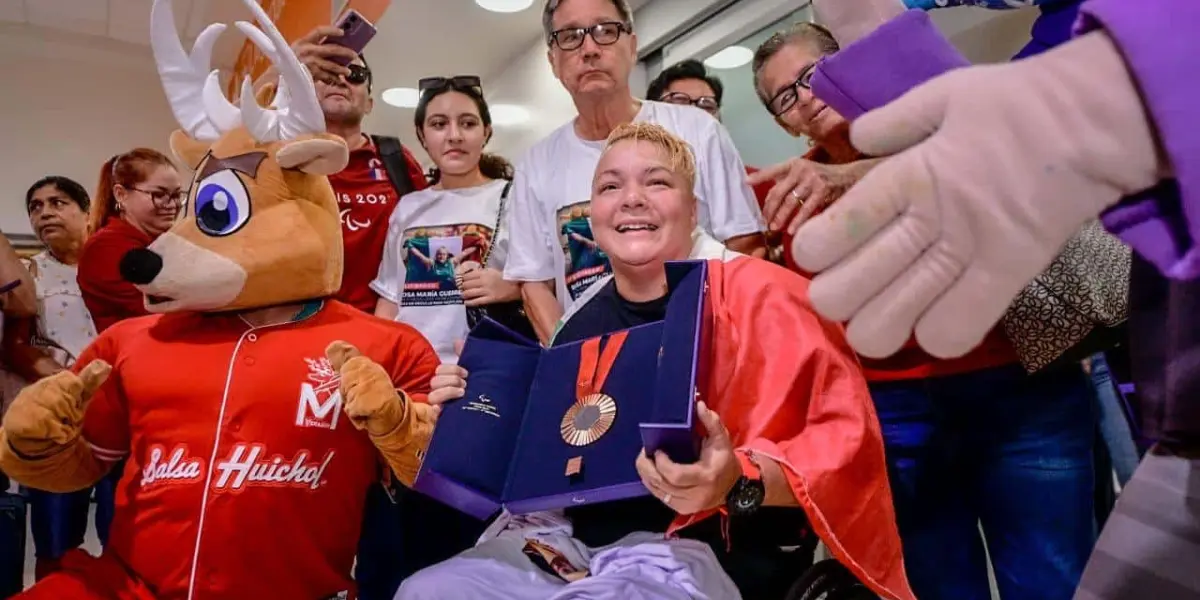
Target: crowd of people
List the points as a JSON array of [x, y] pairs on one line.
[[921, 469]]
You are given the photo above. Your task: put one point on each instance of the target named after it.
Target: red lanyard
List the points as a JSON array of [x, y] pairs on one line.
[[595, 365]]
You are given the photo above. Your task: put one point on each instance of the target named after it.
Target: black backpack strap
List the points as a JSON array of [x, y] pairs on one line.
[[392, 155]]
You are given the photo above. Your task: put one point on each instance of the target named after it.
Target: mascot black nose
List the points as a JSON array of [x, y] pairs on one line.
[[140, 266]]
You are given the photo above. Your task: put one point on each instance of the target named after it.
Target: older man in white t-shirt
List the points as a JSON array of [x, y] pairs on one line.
[[592, 50]]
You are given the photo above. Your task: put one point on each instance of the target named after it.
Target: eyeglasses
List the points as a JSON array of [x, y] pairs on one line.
[[785, 100], [358, 74], [604, 34], [164, 199], [459, 81], [708, 103]]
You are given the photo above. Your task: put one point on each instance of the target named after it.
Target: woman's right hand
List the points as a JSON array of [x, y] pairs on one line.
[[449, 384]]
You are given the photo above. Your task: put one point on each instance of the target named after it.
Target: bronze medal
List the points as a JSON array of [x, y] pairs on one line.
[[593, 413], [588, 419]]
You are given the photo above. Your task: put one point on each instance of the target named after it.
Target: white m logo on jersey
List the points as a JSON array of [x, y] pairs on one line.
[[319, 406]]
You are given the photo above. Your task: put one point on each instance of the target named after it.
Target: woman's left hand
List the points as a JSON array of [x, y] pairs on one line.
[[694, 488], [481, 287], [804, 188]]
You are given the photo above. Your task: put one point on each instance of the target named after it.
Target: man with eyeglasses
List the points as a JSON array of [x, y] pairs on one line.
[[592, 51], [688, 83], [367, 189]]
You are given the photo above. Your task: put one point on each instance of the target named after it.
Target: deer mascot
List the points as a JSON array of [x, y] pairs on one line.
[[243, 479]]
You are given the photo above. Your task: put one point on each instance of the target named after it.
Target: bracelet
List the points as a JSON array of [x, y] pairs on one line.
[[10, 286]]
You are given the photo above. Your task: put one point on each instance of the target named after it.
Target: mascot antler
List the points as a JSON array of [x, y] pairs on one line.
[[194, 89]]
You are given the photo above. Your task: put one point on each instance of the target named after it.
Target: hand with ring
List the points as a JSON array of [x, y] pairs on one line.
[[461, 271], [804, 188], [484, 285], [701, 486]]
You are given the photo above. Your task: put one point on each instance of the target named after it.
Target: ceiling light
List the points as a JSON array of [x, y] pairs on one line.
[[504, 6], [508, 114], [730, 58], [402, 97]]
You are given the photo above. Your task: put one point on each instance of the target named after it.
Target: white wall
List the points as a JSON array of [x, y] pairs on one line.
[[984, 36], [69, 105], [528, 82]]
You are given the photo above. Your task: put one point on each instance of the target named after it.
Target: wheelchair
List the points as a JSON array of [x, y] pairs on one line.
[[829, 580]]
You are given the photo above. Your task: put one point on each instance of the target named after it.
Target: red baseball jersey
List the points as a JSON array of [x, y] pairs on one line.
[[366, 199], [244, 476]]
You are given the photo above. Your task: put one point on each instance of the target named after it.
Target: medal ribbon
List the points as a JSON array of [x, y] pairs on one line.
[[595, 365]]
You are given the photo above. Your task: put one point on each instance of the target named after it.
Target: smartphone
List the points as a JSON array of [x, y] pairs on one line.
[[356, 32]]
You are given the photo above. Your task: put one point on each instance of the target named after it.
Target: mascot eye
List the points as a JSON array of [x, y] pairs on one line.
[[222, 204]]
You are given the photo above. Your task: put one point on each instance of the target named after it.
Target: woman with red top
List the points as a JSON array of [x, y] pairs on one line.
[[974, 441], [136, 201]]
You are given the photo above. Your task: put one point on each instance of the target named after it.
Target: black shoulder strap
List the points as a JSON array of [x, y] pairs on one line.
[[499, 222], [392, 155]]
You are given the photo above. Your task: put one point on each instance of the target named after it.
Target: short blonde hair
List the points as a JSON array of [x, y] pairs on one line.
[[680, 160]]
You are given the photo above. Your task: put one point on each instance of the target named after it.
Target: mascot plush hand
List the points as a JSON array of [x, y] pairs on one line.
[[43, 426], [49, 413], [373, 403]]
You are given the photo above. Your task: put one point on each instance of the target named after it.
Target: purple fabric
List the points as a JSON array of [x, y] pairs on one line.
[[1052, 28], [1164, 350], [881, 67], [1159, 42]]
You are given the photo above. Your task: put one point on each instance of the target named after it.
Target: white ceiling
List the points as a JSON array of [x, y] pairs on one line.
[[118, 24], [417, 38], [421, 38]]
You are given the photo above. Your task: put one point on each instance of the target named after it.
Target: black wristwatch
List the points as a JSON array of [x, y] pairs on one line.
[[749, 492]]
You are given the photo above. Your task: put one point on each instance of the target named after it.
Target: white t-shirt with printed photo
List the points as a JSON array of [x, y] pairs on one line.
[[549, 222], [430, 233]]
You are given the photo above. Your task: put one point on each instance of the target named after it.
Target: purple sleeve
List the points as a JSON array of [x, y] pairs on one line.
[[1159, 43], [900, 55]]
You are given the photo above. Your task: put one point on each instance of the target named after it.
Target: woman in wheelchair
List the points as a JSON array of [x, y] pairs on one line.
[[793, 452]]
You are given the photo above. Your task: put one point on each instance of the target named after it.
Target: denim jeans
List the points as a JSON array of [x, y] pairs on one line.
[[1114, 425], [12, 540], [59, 521], [1001, 450]]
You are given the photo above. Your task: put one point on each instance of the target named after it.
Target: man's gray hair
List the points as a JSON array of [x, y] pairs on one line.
[[622, 7]]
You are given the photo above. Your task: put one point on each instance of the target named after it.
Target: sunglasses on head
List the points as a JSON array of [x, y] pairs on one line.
[[462, 81], [358, 74]]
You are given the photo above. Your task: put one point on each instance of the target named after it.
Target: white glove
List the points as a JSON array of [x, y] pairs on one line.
[[998, 167], [851, 20]]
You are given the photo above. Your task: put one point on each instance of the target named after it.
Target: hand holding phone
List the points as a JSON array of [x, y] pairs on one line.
[[356, 31], [323, 60]]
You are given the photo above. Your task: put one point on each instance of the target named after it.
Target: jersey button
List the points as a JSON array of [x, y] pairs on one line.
[[249, 361], [252, 337]]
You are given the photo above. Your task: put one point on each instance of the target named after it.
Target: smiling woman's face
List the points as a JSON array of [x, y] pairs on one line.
[[643, 213], [808, 115]]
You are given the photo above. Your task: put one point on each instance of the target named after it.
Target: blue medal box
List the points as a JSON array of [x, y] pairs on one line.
[[501, 445]]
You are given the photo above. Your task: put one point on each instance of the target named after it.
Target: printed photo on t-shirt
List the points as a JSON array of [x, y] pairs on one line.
[[585, 261], [431, 255]]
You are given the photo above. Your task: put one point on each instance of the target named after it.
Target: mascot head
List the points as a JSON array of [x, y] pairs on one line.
[[261, 224]]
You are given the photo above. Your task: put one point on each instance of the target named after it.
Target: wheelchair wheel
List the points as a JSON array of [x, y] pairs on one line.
[[829, 580]]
